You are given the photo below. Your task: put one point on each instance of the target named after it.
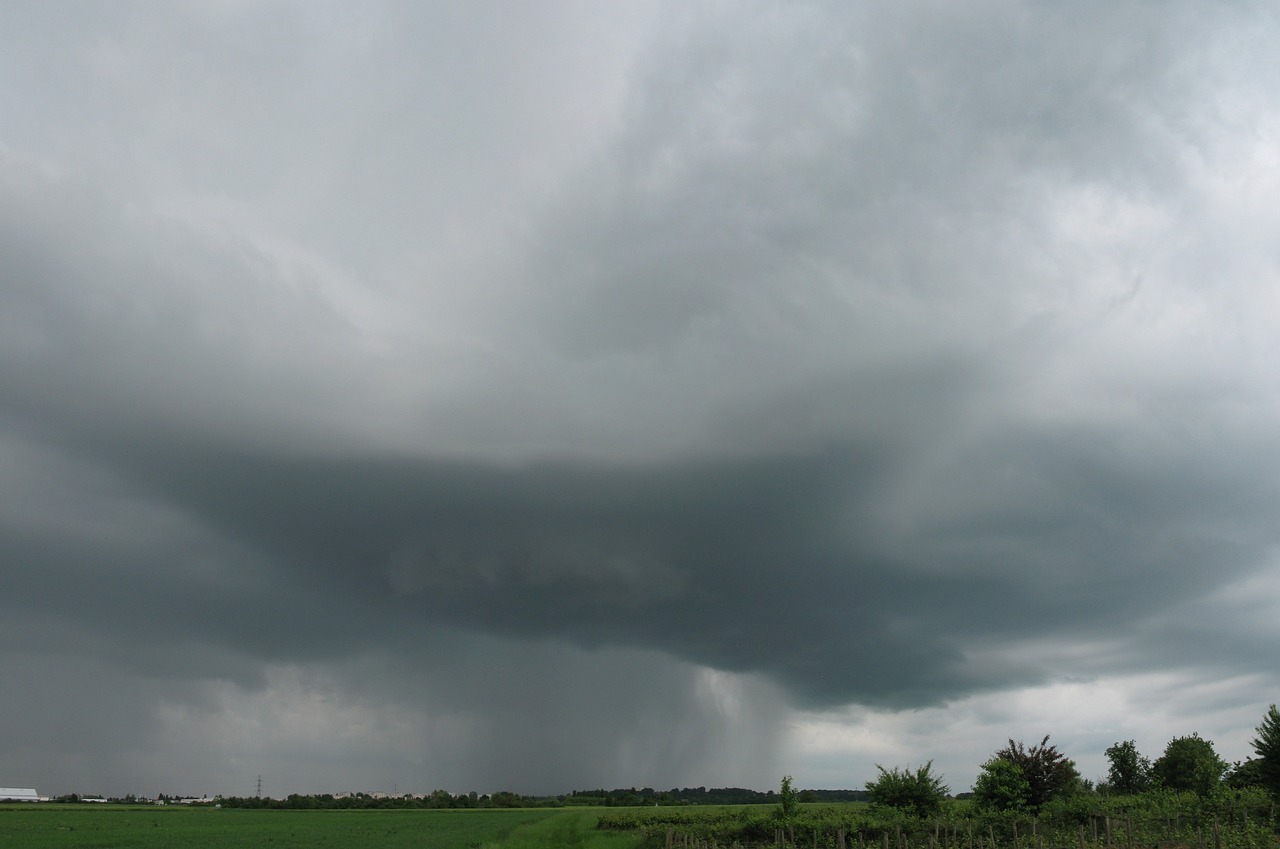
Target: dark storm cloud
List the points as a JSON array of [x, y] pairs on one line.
[[886, 356]]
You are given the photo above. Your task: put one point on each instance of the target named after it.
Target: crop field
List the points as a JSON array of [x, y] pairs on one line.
[[1167, 821], [118, 827]]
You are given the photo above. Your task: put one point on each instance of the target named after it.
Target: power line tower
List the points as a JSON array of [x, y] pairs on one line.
[[259, 786]]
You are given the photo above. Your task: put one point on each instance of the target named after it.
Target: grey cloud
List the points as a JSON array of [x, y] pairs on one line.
[[862, 356]]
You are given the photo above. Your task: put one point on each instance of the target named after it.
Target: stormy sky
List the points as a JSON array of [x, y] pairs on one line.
[[548, 396]]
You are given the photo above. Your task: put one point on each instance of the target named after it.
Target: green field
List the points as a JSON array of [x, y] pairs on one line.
[[113, 827]]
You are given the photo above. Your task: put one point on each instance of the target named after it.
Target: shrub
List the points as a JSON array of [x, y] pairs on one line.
[[919, 793], [1048, 772], [1001, 786]]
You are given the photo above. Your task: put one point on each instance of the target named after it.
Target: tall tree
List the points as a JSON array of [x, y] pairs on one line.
[[1267, 747], [1129, 772], [1189, 763], [789, 803], [1048, 772]]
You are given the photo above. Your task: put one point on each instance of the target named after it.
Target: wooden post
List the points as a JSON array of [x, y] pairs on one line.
[[1081, 835], [1128, 833], [1217, 835], [840, 839], [1108, 824]]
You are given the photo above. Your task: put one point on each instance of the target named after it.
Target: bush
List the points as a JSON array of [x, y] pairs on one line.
[[919, 793], [1001, 786], [1048, 772]]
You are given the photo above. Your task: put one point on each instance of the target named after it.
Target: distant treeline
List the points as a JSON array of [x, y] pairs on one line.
[[625, 797], [647, 796]]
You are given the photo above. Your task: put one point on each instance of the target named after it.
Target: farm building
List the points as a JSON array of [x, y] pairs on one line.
[[19, 794]]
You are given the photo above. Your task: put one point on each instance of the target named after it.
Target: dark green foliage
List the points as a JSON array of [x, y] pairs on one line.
[[1048, 772], [1001, 786], [919, 793], [1245, 775], [1157, 818], [1189, 763], [789, 804], [1267, 747], [1129, 772]]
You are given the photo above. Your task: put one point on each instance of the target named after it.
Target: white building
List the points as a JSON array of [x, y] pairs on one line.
[[20, 794]]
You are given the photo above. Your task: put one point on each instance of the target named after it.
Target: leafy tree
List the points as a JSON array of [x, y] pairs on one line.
[[1189, 763], [920, 792], [1130, 772], [790, 802], [1048, 772], [1001, 786], [1246, 774], [1267, 747]]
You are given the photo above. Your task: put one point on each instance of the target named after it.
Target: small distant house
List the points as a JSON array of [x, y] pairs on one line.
[[19, 794]]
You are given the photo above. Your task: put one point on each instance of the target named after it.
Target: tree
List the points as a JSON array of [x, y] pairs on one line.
[[1001, 786], [1267, 747], [1245, 775], [920, 792], [1130, 772], [1189, 763], [790, 804], [1048, 772]]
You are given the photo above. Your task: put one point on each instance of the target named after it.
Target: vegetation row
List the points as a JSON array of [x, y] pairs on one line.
[[1027, 797]]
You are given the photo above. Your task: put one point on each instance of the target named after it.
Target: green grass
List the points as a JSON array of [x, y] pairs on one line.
[[574, 829], [113, 827]]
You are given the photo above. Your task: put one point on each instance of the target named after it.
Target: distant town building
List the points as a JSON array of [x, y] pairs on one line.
[[20, 794]]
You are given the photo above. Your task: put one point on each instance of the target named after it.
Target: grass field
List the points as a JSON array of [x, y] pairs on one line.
[[112, 827]]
